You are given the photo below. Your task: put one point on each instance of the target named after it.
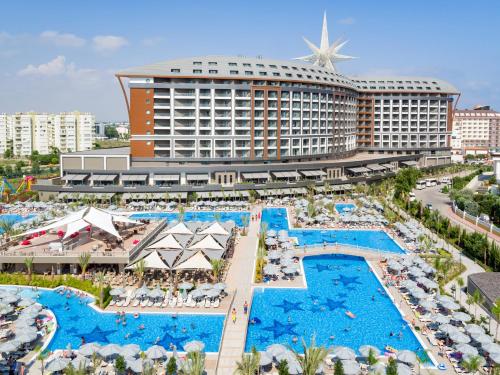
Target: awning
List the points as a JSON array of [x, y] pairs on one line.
[[291, 174], [376, 167], [300, 190], [134, 177], [388, 166], [197, 177], [152, 261], [103, 177], [358, 170], [196, 262], [75, 177], [409, 163], [256, 176], [167, 195], [166, 177], [313, 173]]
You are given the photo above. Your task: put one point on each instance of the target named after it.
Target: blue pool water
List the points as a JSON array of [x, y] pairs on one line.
[[14, 218], [235, 216], [276, 218], [339, 207], [336, 283], [77, 320]]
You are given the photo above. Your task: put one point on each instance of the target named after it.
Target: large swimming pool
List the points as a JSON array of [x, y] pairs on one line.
[[236, 216], [15, 218], [335, 283], [276, 218], [76, 320]]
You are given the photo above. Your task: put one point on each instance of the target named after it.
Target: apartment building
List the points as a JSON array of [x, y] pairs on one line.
[[28, 132]]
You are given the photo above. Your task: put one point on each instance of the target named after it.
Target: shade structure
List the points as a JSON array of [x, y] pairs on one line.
[[212, 293], [481, 338], [130, 350], [89, 349], [408, 284], [197, 262], [152, 261], [179, 228], [427, 304], [194, 346], [495, 357], [276, 349], [142, 291], [489, 348], [351, 367], [26, 337], [473, 329], [442, 299], [9, 346], [81, 362], [185, 286], [25, 302], [220, 286], [450, 305], [418, 293], [365, 350], [265, 359], [459, 337], [167, 242], [377, 369], [461, 317], [110, 350], [466, 349], [271, 269], [207, 242], [58, 364], [440, 319], [215, 228], [138, 365], [157, 293], [403, 369], [116, 292], [407, 356], [343, 353], [156, 352], [10, 298], [447, 328], [6, 310]]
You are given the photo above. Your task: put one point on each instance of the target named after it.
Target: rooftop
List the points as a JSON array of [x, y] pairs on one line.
[[488, 283]]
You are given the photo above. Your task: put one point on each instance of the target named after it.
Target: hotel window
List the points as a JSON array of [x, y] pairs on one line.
[[212, 63], [260, 65], [247, 64], [232, 64], [148, 80], [273, 66], [175, 70], [197, 63], [284, 67], [248, 73], [276, 74], [263, 73], [212, 71], [197, 71], [233, 72], [288, 74]]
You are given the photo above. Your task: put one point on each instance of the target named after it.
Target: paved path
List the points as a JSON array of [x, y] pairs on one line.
[[240, 277]]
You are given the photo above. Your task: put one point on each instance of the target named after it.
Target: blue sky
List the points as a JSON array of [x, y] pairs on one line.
[[62, 55]]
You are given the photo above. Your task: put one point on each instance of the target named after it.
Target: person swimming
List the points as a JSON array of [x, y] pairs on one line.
[[127, 336], [295, 339], [184, 330], [157, 340], [373, 298], [332, 337], [391, 334], [141, 326]]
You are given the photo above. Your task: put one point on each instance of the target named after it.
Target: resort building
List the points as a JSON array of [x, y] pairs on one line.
[[237, 123], [24, 133]]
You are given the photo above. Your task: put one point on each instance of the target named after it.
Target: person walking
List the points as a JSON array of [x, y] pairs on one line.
[[245, 308], [233, 315]]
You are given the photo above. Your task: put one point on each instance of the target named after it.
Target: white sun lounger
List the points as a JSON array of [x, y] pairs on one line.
[[216, 303], [119, 303], [179, 300], [150, 303], [157, 303], [136, 303], [112, 302], [200, 303], [165, 302], [144, 303], [207, 303], [172, 302], [127, 302], [188, 301]]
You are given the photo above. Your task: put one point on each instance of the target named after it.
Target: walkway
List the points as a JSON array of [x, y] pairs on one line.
[[240, 277]]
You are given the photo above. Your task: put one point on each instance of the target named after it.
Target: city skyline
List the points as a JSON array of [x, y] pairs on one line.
[[68, 63]]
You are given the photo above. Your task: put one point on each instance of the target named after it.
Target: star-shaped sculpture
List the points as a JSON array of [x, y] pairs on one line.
[[98, 335], [279, 329], [288, 306], [333, 305], [168, 339], [346, 280], [325, 55]]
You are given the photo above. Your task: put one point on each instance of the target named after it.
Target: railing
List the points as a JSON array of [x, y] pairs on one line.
[[328, 246], [490, 227], [224, 330], [145, 241]]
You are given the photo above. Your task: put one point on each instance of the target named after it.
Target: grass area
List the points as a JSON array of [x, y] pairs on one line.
[[111, 143]]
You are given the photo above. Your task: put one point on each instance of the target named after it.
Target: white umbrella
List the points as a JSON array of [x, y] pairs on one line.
[[110, 350], [450, 305], [138, 365], [466, 349], [185, 286], [365, 350], [194, 346], [459, 337], [9, 346], [130, 350], [89, 349], [116, 292], [265, 359], [26, 337], [495, 357], [427, 304], [481, 338], [448, 328], [156, 352], [220, 286], [473, 329], [444, 298], [6, 309], [58, 364], [275, 349], [489, 348], [351, 367], [403, 369], [344, 353], [205, 286], [81, 362], [407, 356], [461, 317], [25, 302], [211, 293], [377, 369], [440, 319]]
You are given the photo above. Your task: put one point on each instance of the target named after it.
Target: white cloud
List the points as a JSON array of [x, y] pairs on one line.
[[347, 21], [62, 39], [52, 68], [109, 43], [153, 41]]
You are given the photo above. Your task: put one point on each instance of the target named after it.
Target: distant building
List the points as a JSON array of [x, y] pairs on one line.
[[31, 131], [475, 131]]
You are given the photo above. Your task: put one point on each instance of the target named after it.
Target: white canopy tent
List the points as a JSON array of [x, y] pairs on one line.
[[151, 261], [197, 262], [88, 216], [207, 242], [215, 228], [167, 242], [179, 228]]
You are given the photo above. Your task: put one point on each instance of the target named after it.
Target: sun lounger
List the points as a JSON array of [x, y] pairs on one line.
[[200, 303], [165, 302], [172, 302], [157, 303], [150, 303], [112, 302], [216, 303], [127, 302], [144, 303], [179, 301], [120, 303], [188, 301], [136, 303], [207, 303]]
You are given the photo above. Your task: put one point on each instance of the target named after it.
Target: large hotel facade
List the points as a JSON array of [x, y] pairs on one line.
[[239, 123]]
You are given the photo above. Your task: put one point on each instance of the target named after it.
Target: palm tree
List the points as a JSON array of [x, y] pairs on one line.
[[478, 299], [84, 261], [7, 227], [460, 284], [217, 216], [182, 211], [100, 282], [312, 358], [28, 263], [495, 310], [244, 221], [472, 364], [42, 356], [249, 363], [140, 270], [217, 268], [194, 364]]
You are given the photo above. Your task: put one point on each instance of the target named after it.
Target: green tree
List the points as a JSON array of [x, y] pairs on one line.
[[495, 310], [283, 367], [478, 300], [120, 365], [339, 368], [8, 154], [460, 284], [249, 364], [217, 268], [140, 270], [194, 364], [28, 263], [392, 367], [42, 356], [244, 221], [35, 167], [84, 261], [171, 368], [100, 282], [111, 132], [472, 364], [312, 358], [372, 359]]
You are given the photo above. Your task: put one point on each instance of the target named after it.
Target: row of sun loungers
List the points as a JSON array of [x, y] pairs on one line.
[[169, 300]]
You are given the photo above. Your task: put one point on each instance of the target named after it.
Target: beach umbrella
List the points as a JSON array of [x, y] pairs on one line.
[[495, 357], [142, 291], [427, 304], [205, 286], [81, 362], [343, 353], [116, 292], [473, 329], [197, 293], [26, 337], [403, 369], [265, 359], [156, 352], [459, 338], [466, 349], [185, 286], [273, 255], [57, 364], [271, 233], [271, 242], [10, 298], [289, 270], [440, 319], [138, 365], [418, 293], [270, 269], [6, 309], [275, 349], [194, 346], [461, 317], [220, 286], [212, 293], [450, 305], [407, 356], [130, 350], [9, 346], [377, 368], [408, 284], [351, 367], [157, 293], [365, 350], [89, 349], [489, 348], [442, 299], [481, 338], [25, 302], [110, 350], [448, 328]]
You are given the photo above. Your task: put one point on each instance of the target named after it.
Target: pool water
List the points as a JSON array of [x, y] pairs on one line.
[[236, 216], [277, 219], [335, 283], [76, 320], [339, 207], [14, 218]]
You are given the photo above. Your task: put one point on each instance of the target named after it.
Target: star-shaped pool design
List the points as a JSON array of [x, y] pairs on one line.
[[288, 306], [333, 305], [346, 280], [342, 295], [167, 340], [98, 335], [279, 329], [321, 267]]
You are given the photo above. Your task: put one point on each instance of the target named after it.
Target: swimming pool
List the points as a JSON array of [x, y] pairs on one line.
[[277, 219], [236, 216], [76, 320], [339, 207], [336, 283], [15, 218]]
